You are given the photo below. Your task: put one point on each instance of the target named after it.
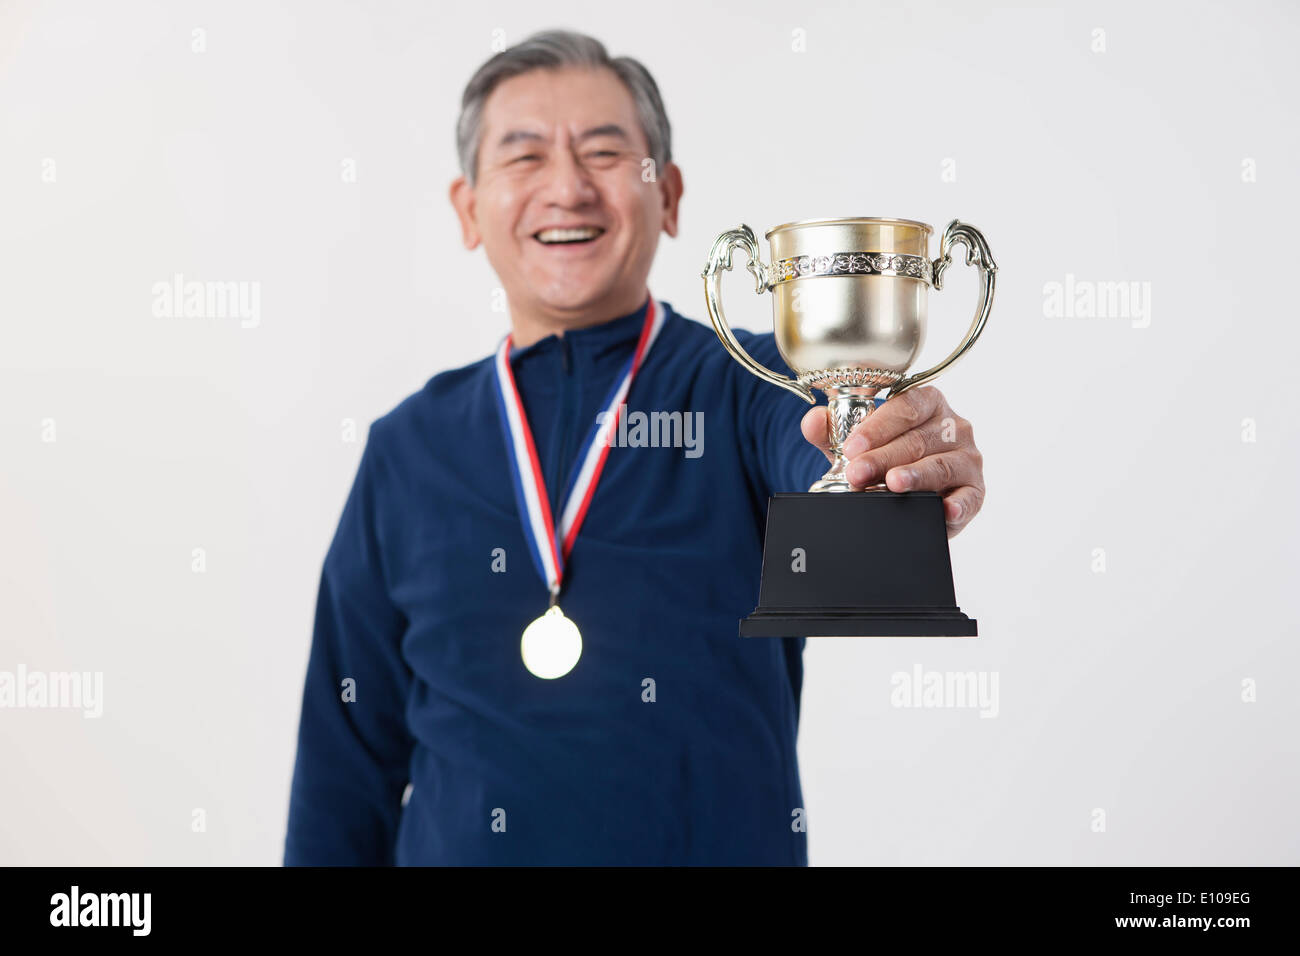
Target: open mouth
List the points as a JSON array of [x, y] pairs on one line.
[[580, 235]]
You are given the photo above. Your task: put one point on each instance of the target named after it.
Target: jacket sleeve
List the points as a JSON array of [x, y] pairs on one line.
[[786, 460], [354, 746]]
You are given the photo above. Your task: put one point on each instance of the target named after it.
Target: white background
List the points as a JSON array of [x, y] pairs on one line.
[[1119, 690]]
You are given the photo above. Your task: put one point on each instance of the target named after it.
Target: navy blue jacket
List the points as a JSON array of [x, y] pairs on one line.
[[417, 619]]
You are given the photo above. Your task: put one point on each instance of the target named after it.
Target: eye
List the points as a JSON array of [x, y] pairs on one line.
[[601, 158], [519, 159]]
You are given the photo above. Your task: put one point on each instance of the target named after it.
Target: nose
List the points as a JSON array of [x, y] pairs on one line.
[[567, 183]]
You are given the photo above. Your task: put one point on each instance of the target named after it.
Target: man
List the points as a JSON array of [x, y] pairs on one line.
[[671, 740]]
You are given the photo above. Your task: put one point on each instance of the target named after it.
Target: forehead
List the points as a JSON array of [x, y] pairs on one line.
[[548, 100]]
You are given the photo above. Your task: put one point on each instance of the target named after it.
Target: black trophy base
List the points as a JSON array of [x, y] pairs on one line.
[[857, 564]]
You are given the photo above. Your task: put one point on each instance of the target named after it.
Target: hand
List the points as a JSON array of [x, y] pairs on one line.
[[919, 444]]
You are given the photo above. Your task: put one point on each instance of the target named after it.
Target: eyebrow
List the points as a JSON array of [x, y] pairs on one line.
[[520, 135]]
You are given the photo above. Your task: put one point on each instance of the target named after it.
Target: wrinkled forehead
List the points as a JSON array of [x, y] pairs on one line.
[[546, 105]]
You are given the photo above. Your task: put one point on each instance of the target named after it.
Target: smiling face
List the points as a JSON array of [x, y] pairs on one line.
[[561, 207]]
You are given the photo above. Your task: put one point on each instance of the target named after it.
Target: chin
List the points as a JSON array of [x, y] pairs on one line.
[[561, 294]]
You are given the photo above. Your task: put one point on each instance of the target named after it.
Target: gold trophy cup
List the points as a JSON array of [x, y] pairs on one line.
[[849, 306]]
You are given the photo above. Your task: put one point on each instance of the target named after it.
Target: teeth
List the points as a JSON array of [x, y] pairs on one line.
[[569, 235]]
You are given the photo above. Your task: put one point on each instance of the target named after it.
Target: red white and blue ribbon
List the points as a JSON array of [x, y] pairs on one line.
[[549, 545]]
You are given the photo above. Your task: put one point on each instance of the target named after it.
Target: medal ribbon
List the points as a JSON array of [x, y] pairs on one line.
[[525, 470]]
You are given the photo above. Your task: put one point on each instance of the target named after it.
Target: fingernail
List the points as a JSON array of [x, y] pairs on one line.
[[858, 472], [907, 477], [855, 446], [956, 512]]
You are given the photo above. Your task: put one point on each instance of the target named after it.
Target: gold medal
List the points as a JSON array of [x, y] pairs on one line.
[[551, 645]]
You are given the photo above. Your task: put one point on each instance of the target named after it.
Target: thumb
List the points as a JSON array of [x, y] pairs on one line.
[[816, 427]]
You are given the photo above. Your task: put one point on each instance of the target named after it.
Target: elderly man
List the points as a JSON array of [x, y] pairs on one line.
[[492, 498]]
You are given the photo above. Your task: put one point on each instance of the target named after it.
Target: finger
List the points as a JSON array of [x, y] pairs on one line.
[[894, 417], [909, 447], [941, 472], [816, 427], [960, 506]]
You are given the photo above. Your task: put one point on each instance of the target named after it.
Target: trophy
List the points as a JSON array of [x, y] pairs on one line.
[[849, 303]]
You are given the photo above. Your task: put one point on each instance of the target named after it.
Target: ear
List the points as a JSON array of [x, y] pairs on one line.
[[670, 191], [463, 201]]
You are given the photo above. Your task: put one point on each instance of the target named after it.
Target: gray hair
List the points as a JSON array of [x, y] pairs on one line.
[[549, 50]]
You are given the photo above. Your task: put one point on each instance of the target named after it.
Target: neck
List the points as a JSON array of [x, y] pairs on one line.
[[531, 325]]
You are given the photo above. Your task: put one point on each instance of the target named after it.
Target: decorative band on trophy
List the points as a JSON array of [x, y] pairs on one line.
[[827, 378], [850, 263]]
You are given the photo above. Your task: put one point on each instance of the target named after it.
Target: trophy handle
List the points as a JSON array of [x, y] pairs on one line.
[[977, 253], [720, 259]]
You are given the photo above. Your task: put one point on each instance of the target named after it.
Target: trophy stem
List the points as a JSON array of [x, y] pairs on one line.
[[846, 407]]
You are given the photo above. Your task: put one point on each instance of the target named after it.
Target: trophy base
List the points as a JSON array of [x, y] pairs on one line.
[[819, 582], [867, 622]]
